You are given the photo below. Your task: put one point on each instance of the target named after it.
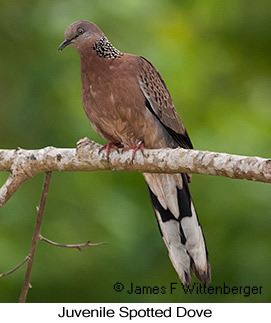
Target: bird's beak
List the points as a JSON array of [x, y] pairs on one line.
[[64, 44]]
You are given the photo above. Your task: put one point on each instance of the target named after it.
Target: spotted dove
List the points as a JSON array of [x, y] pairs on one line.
[[128, 104]]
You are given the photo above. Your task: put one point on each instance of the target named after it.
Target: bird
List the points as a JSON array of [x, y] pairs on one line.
[[128, 104]]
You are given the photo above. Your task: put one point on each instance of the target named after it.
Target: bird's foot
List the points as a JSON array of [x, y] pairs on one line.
[[139, 146], [109, 146]]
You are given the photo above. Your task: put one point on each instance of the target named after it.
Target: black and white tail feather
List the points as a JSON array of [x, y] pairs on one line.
[[179, 225]]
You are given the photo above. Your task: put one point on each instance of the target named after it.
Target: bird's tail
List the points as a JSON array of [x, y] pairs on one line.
[[179, 225]]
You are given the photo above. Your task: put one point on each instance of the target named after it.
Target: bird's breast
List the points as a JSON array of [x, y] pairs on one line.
[[115, 107]]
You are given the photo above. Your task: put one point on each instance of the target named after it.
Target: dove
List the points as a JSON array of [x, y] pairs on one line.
[[128, 104]]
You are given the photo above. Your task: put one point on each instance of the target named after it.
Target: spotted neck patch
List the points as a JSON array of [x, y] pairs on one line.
[[105, 49]]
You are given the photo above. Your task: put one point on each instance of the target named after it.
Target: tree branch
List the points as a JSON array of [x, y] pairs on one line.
[[16, 268], [35, 237], [13, 182], [24, 164], [78, 246]]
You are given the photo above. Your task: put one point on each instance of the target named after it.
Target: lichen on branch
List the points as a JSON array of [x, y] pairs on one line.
[[24, 164]]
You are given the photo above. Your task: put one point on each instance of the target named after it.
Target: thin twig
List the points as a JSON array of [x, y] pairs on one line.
[[16, 268], [35, 237], [76, 246]]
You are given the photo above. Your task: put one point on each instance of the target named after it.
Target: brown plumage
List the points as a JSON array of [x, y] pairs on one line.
[[127, 103]]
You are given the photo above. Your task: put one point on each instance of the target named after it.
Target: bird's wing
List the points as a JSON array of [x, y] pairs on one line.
[[159, 102], [170, 196]]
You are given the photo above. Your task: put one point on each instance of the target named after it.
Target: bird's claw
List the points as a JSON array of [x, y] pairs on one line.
[[138, 147], [109, 146]]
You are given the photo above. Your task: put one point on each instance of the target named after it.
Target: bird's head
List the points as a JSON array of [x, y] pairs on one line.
[[80, 33]]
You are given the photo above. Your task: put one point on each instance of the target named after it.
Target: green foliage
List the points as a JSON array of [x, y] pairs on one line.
[[215, 59]]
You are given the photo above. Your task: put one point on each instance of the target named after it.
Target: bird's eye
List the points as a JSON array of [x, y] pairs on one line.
[[80, 30]]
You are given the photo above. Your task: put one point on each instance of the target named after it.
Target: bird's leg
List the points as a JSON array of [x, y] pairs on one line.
[[109, 146], [139, 146]]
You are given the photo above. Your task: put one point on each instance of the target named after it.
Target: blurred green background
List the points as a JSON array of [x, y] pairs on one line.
[[215, 59]]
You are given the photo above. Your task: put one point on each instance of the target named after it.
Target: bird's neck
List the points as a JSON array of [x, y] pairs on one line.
[[105, 49], [96, 59]]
